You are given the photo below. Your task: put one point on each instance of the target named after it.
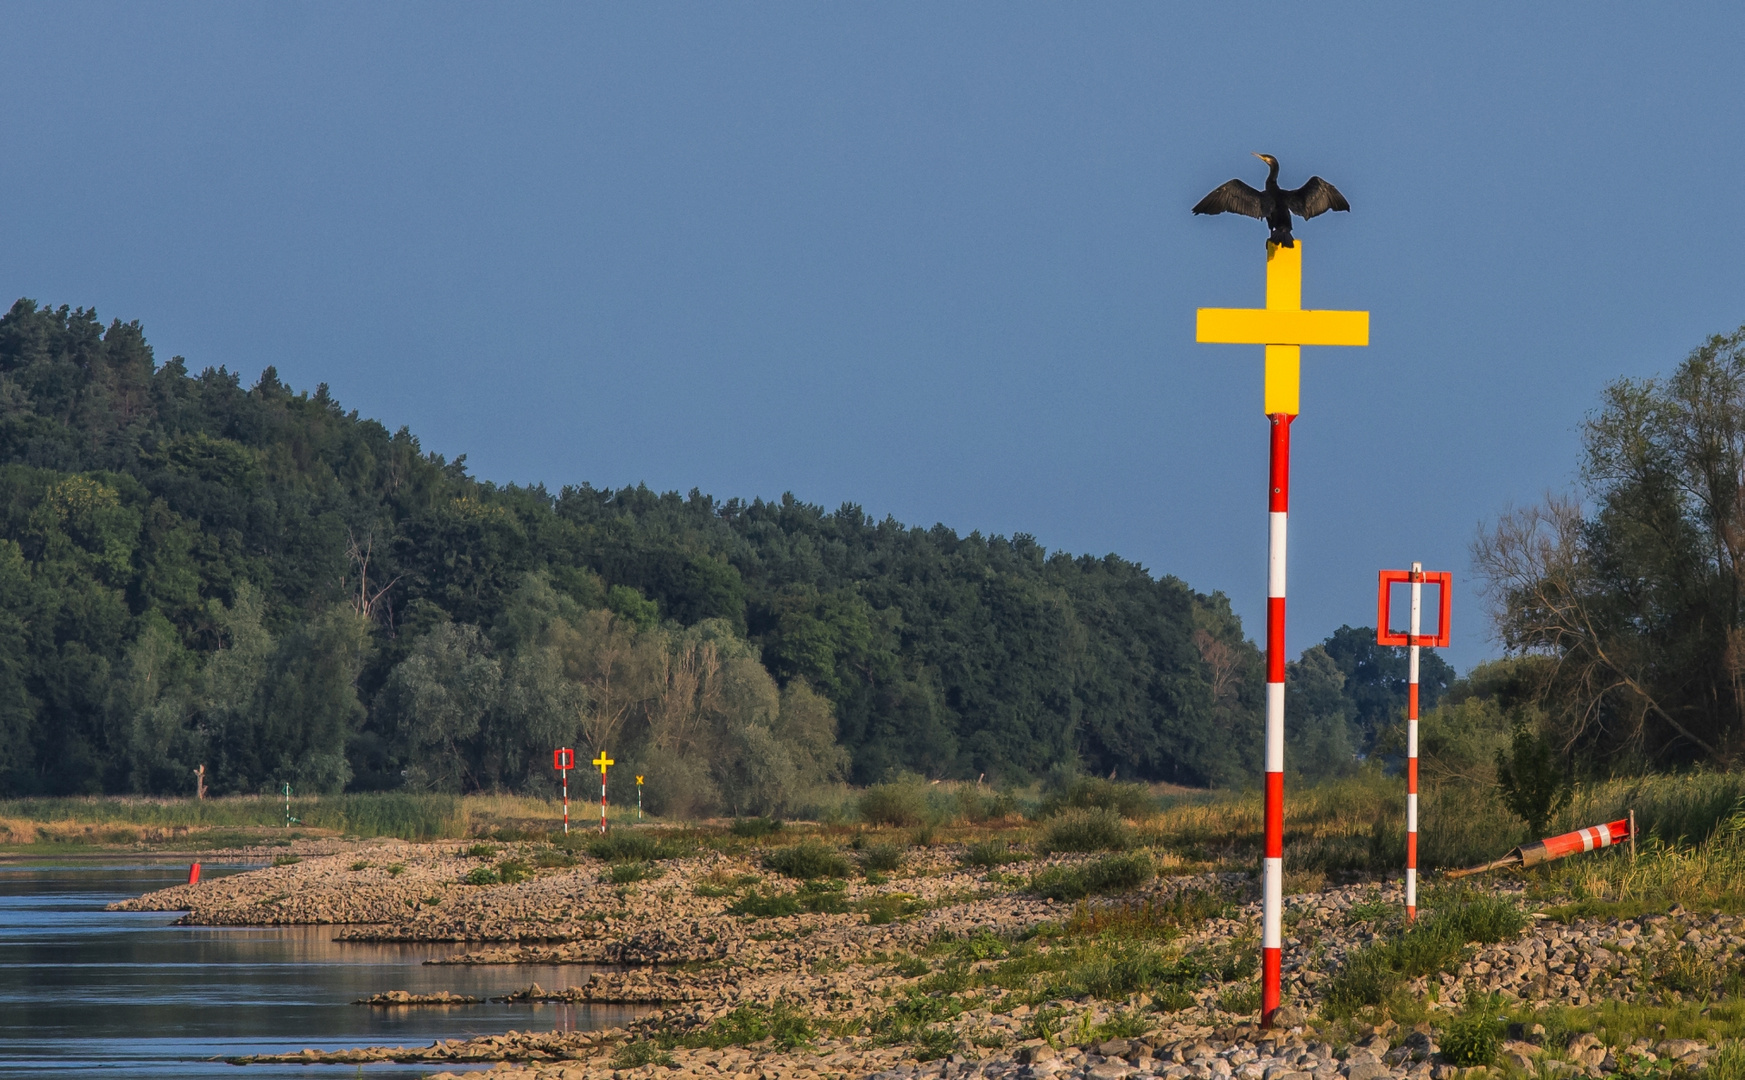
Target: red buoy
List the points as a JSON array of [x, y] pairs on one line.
[[194, 874]]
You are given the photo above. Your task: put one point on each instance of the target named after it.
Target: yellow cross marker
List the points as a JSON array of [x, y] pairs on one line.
[[1283, 327], [639, 779], [602, 761]]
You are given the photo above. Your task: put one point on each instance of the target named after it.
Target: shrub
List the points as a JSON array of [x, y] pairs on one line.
[[808, 860], [1531, 778], [553, 857], [754, 828], [287, 860], [633, 1055], [1475, 1034], [988, 854], [1092, 829], [481, 851], [510, 871], [1131, 801], [815, 896], [481, 875], [765, 905], [1110, 874], [877, 858], [625, 846], [623, 873], [360, 865], [902, 803], [889, 907], [396, 869]]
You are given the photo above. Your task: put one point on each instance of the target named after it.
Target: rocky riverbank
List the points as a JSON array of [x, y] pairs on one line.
[[963, 968]]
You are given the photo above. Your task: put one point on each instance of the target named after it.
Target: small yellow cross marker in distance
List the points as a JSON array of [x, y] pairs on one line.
[[1283, 327], [602, 761], [639, 779]]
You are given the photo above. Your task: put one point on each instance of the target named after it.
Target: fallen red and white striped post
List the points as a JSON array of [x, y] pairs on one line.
[[1552, 848], [1283, 327], [1413, 638]]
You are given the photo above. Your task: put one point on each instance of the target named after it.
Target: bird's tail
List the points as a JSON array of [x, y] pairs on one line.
[[1282, 238]]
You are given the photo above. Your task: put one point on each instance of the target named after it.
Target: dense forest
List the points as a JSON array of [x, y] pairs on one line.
[[254, 580]]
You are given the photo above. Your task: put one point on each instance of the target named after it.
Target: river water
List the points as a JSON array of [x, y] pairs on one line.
[[85, 991]]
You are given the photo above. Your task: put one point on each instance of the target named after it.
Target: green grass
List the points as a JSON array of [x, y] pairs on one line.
[[1085, 829], [818, 897], [402, 815], [1131, 801], [625, 873], [1475, 1034], [808, 860], [1110, 874], [785, 1027], [754, 828], [880, 858], [990, 854], [634, 1055], [1372, 977], [902, 803], [628, 846]]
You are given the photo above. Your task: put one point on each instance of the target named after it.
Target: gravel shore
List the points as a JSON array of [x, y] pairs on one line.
[[677, 946]]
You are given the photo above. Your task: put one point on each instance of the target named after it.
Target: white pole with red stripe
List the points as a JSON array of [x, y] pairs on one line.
[[1412, 744], [1278, 506]]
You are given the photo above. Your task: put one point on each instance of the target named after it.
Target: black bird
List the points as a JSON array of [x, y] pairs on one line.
[[1275, 204]]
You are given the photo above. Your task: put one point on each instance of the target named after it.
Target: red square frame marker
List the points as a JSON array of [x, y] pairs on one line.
[[562, 760], [1444, 582]]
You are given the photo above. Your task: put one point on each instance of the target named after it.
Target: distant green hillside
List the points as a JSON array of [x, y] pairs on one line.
[[193, 572]]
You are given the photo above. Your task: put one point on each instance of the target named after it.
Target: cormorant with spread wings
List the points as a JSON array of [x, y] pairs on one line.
[[1275, 204]]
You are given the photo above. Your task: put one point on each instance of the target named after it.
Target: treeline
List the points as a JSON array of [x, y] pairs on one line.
[[254, 580]]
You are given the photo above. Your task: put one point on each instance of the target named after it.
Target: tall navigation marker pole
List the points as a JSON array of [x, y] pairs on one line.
[[1283, 327]]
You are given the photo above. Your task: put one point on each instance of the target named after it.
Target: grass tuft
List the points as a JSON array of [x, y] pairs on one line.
[[1093, 829], [808, 860], [1110, 874]]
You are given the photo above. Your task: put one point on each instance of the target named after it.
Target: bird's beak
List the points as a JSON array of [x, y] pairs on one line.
[[1260, 156]]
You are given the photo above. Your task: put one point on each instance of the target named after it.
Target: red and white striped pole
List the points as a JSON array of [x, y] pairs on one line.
[[602, 761], [1278, 505], [563, 760], [1283, 326], [1417, 580], [1413, 639]]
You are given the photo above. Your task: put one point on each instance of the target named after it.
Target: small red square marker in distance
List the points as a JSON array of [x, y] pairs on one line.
[[1444, 582], [563, 759]]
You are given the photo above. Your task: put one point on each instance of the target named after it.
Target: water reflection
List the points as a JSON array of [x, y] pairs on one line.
[[85, 990]]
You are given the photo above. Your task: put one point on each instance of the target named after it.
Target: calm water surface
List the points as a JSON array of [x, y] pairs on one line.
[[85, 991]]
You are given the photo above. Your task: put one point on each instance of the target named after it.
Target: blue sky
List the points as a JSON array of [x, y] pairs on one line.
[[932, 259]]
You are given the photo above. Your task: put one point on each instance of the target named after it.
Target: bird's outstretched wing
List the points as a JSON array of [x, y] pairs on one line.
[[1234, 197], [1315, 197]]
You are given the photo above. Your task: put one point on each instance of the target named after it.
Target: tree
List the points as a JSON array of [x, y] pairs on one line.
[[1318, 731], [1530, 777], [1377, 677], [438, 698], [1639, 605]]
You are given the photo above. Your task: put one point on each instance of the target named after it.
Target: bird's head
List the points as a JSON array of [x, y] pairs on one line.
[[1271, 162]]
